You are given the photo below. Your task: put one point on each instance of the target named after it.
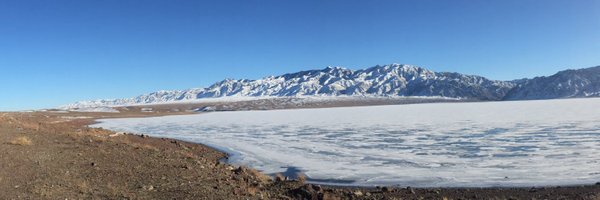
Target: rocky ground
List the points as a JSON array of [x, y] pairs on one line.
[[53, 155]]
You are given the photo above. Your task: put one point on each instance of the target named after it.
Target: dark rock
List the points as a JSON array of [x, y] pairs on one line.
[[240, 170], [411, 190], [317, 188], [385, 189], [284, 197], [533, 189], [307, 192]]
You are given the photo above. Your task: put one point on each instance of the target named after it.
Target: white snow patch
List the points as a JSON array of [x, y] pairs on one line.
[[95, 109], [75, 117]]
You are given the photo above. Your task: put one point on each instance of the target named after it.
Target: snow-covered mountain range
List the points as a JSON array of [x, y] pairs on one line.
[[395, 80], [564, 84]]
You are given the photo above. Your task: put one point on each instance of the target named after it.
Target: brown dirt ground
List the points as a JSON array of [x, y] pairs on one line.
[[51, 155]]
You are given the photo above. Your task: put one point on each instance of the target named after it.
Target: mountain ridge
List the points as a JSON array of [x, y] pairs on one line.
[[568, 83], [393, 80]]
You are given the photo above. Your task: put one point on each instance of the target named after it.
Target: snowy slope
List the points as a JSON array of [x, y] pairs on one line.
[[387, 80], [564, 84]]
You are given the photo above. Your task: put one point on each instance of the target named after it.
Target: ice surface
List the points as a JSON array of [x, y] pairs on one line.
[[514, 143]]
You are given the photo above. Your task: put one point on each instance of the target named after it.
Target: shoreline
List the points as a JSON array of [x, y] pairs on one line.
[[483, 151], [335, 183], [340, 183], [51, 135]]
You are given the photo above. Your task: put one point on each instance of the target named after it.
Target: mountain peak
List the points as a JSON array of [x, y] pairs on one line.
[[381, 80]]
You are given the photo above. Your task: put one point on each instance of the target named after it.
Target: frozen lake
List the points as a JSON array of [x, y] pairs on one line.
[[516, 143]]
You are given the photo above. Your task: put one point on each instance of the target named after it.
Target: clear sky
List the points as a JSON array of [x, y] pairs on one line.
[[60, 51]]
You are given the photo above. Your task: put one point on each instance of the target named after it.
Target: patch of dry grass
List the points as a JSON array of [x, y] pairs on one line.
[[22, 140], [259, 175], [302, 178]]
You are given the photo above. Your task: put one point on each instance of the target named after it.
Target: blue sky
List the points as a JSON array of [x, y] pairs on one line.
[[60, 51]]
